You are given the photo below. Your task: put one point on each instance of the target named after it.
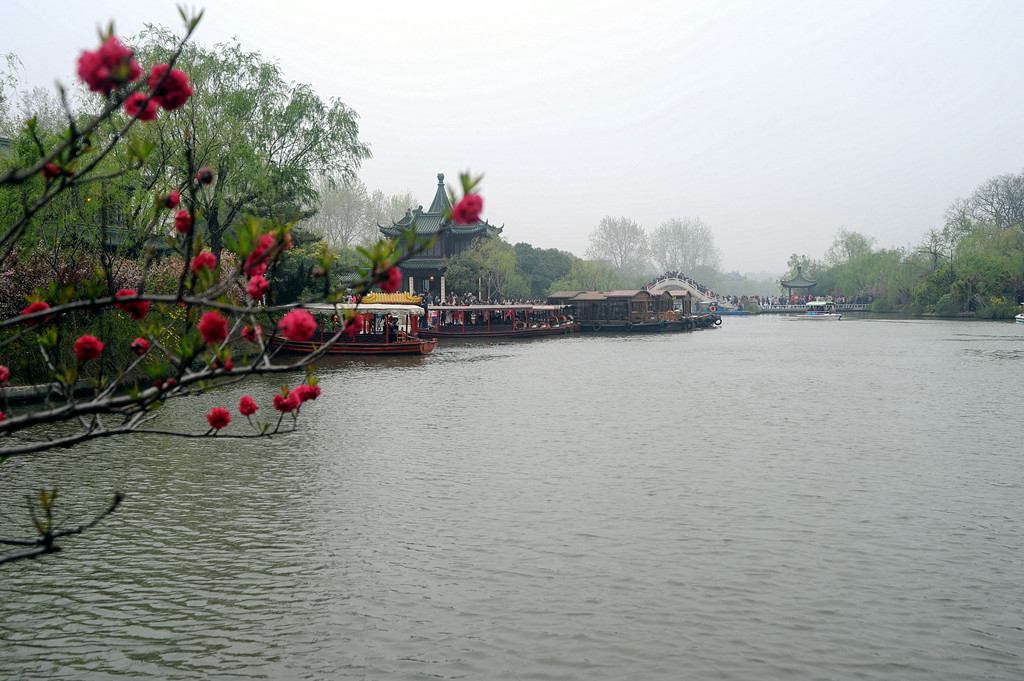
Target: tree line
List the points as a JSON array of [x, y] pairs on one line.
[[972, 265]]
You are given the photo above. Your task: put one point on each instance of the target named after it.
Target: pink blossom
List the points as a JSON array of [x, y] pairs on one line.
[[2, 417], [205, 175], [108, 67], [467, 211], [247, 406], [258, 287], [50, 171], [136, 104], [288, 404], [218, 418], [172, 200], [391, 281], [5, 374], [37, 306], [182, 221], [256, 263], [251, 334], [173, 92], [307, 392], [204, 261], [140, 346], [353, 326], [297, 325], [213, 327], [137, 309], [88, 347]]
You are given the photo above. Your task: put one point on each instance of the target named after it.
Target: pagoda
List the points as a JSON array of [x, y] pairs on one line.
[[798, 282], [425, 271]]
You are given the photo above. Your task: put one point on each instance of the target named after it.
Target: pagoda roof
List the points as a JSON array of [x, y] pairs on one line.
[[565, 294], [420, 264], [435, 220], [799, 281]]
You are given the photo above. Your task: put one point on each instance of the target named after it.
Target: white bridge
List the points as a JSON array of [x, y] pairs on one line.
[[674, 284]]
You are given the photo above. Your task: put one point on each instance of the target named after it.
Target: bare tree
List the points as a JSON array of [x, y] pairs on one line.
[[348, 214], [1000, 201], [385, 209], [620, 242], [685, 245], [342, 217]]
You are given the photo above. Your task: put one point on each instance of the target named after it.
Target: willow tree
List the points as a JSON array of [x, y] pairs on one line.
[[267, 140], [487, 267], [622, 243], [685, 245]]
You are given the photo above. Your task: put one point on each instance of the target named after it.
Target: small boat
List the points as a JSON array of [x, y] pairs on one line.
[[497, 321], [1020, 318], [385, 329], [820, 310]]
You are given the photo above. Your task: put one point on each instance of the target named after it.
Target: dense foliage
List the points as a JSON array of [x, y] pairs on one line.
[[973, 265]]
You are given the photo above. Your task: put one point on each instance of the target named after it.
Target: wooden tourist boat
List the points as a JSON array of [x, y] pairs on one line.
[[497, 321], [633, 310], [820, 310], [386, 328]]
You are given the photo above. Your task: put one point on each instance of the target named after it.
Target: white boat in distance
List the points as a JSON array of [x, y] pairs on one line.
[[820, 310]]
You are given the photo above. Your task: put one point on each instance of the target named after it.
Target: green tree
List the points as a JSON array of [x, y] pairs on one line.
[[267, 140], [848, 245], [540, 267], [488, 266], [589, 275]]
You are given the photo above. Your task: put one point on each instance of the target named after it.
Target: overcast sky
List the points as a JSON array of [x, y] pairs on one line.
[[777, 123]]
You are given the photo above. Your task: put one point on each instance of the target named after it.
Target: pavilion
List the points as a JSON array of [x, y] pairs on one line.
[[425, 271], [798, 282]]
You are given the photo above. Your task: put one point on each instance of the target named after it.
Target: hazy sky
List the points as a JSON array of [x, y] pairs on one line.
[[777, 123]]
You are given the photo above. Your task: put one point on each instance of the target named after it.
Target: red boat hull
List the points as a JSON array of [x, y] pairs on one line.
[[360, 346]]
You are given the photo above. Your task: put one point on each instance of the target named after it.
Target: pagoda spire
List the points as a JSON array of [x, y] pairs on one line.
[[440, 204]]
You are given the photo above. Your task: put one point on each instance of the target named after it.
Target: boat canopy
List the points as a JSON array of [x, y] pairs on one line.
[[527, 307], [395, 310]]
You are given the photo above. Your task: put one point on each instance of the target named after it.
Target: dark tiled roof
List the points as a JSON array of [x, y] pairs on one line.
[[419, 264], [799, 281], [433, 220]]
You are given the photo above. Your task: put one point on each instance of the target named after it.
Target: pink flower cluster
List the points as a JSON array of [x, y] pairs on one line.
[[467, 211], [137, 309], [173, 91], [88, 347], [288, 402], [267, 248], [204, 261], [108, 67], [182, 222], [391, 280], [113, 65], [297, 325], [37, 306], [218, 418], [213, 328]]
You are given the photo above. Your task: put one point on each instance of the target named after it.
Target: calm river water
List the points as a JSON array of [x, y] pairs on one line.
[[772, 499]]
